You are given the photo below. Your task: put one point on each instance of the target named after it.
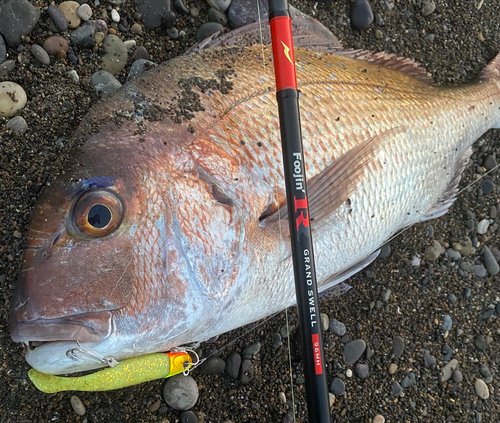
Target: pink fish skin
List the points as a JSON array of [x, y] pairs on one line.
[[166, 229]]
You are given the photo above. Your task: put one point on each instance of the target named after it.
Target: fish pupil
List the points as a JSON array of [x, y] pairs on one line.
[[99, 216]]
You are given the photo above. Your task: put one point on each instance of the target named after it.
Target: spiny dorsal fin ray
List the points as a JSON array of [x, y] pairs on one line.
[[387, 60]]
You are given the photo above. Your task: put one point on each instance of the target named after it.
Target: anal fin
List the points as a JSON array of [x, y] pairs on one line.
[[340, 277], [450, 194]]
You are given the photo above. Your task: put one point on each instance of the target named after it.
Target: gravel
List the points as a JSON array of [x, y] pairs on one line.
[[415, 309]]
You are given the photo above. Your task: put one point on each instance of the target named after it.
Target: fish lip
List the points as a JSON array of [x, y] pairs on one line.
[[84, 327]]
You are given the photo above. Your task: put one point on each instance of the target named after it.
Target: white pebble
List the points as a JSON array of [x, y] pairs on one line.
[[415, 261], [12, 98], [77, 405], [115, 15], [378, 419], [481, 389], [73, 75], [348, 373], [130, 44], [282, 397], [84, 12], [482, 226]]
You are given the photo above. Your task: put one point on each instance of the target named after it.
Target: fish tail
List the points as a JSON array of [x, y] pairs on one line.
[[491, 75]]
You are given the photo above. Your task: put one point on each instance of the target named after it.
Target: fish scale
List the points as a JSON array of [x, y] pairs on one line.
[[201, 246]]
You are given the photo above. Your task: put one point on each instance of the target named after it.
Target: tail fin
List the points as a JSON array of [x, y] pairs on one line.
[[492, 70], [491, 73]]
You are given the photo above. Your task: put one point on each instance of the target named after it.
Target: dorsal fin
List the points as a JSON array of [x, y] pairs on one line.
[[389, 61]]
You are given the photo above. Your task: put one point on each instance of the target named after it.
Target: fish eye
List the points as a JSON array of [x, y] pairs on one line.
[[97, 213]]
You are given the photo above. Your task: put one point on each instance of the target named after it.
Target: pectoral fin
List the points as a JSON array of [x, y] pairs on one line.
[[332, 187]]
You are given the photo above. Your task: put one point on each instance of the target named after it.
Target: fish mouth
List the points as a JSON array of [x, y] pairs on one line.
[[85, 327]]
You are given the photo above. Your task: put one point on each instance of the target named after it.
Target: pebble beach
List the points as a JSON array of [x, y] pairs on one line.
[[417, 336]]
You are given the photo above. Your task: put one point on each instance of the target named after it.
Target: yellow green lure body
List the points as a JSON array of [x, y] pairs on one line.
[[126, 373]]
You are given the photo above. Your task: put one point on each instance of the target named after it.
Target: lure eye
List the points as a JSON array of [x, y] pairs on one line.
[[97, 213]]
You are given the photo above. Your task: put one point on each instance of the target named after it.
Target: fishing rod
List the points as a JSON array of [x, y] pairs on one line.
[[287, 95]]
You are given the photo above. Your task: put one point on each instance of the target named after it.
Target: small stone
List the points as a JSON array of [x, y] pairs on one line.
[[448, 352], [481, 389], [447, 370], [409, 380], [386, 294], [17, 124], [233, 364], [447, 323], [493, 212], [337, 328], [452, 298], [251, 350], [115, 16], [398, 347], [430, 360], [70, 11], [138, 68], [3, 50], [136, 29], [430, 37], [180, 392], [84, 12], [116, 57], [379, 34], [99, 25], [53, 45], [337, 387], [208, 29], [392, 368], [348, 373], [378, 419], [433, 251], [155, 406], [104, 83], [467, 248], [430, 231], [353, 351], [416, 261], [487, 187], [213, 366], [480, 342], [7, 67], [457, 376], [12, 99], [428, 7], [216, 16], [173, 33], [194, 12], [168, 19], [385, 251], [275, 340], [220, 5], [486, 373], [247, 371], [361, 14], [490, 262], [482, 226], [396, 389], [189, 417], [58, 18], [130, 44], [361, 370], [141, 53], [490, 162], [40, 54], [325, 322], [78, 35], [17, 18], [152, 11], [77, 405], [180, 7], [479, 270], [497, 308], [453, 254]]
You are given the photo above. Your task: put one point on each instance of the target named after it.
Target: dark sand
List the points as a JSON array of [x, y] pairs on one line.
[[414, 310]]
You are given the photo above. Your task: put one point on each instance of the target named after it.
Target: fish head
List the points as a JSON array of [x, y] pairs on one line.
[[77, 277]]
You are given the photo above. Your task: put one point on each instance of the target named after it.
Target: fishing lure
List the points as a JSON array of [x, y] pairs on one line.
[[126, 373]]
